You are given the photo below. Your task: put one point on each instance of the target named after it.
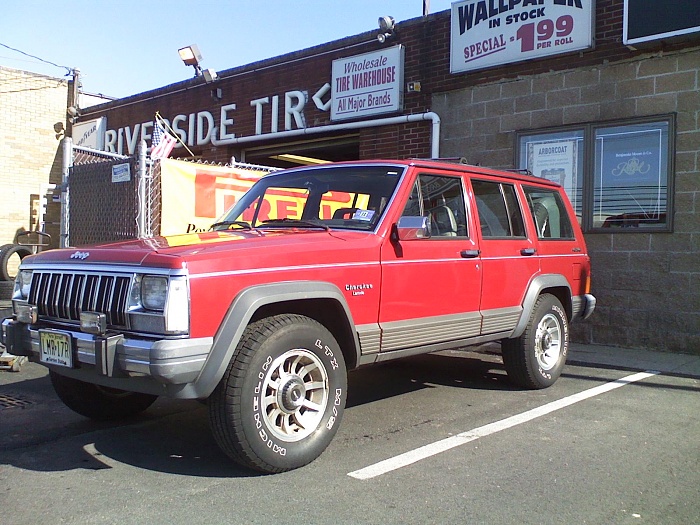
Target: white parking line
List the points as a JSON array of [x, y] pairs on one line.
[[432, 449]]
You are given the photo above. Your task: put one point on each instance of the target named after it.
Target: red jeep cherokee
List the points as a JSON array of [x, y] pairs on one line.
[[315, 271]]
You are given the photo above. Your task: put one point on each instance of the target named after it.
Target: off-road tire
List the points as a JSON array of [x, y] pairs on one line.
[[98, 402], [10, 257], [535, 359], [281, 399]]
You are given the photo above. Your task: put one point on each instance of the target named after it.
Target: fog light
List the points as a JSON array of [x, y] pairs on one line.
[[93, 323], [26, 313]]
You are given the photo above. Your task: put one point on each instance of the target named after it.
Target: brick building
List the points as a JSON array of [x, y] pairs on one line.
[[614, 119], [31, 127], [32, 124]]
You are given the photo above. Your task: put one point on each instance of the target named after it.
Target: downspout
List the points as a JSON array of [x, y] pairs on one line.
[[404, 119]]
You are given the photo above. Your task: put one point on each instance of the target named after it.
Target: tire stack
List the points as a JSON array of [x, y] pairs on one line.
[[10, 257]]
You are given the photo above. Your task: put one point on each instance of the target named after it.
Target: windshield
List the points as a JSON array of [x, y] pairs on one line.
[[343, 197]]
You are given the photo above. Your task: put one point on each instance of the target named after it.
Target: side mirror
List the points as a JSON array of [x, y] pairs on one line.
[[412, 228]]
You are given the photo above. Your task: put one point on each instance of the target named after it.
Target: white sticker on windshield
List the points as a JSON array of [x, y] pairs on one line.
[[363, 215]]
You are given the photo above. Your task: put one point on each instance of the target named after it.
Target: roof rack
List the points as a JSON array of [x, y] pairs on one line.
[[457, 160]]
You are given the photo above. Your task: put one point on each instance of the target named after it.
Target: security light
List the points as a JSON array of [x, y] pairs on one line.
[[386, 28], [191, 56]]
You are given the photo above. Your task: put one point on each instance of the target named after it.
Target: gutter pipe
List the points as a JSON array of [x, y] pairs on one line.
[[404, 119]]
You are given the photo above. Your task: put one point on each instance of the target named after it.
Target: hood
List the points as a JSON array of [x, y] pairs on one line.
[[176, 251]]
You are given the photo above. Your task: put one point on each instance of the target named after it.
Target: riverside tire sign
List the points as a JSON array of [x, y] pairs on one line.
[[487, 33]]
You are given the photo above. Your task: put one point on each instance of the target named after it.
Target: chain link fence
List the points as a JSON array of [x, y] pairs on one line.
[[102, 208]]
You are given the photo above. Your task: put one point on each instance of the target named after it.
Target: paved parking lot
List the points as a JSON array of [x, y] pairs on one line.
[[603, 445]]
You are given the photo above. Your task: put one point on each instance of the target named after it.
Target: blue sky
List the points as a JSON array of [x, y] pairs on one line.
[[124, 47]]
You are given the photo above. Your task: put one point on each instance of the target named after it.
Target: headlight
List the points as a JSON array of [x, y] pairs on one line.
[[23, 283], [154, 292]]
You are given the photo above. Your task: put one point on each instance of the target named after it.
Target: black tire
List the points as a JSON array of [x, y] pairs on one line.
[[261, 412], [98, 402], [536, 359], [6, 289], [10, 257]]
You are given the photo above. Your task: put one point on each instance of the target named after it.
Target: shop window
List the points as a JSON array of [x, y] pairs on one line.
[[618, 176]]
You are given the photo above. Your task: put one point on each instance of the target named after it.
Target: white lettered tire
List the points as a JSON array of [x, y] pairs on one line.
[[282, 397], [536, 358]]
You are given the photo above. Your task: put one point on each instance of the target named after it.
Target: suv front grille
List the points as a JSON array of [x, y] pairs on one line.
[[64, 295]]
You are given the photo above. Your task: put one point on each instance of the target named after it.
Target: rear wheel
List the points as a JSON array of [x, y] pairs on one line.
[[536, 359], [282, 397], [99, 402]]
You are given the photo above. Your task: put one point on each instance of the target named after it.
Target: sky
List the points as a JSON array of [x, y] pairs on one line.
[[124, 47]]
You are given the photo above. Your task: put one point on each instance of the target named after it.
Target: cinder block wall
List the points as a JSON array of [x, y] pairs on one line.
[[31, 120], [647, 284]]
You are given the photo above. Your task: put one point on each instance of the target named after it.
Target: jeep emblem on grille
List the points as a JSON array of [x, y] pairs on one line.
[[80, 255]]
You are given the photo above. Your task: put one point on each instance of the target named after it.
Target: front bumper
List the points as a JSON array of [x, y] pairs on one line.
[[139, 364]]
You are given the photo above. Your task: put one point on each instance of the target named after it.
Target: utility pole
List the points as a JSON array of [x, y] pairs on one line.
[[72, 108]]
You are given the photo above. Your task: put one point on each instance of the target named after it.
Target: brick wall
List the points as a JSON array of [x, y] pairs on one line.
[[647, 284], [32, 105]]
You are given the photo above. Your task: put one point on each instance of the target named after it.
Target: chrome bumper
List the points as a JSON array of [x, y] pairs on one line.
[[166, 361]]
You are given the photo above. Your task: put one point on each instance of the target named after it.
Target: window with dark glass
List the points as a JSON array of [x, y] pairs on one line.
[[548, 213], [499, 212], [442, 199]]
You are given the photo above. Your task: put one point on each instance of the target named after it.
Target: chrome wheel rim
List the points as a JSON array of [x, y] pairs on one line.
[[294, 395], [548, 342]]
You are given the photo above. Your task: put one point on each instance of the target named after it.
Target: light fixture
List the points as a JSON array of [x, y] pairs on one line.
[[191, 56], [73, 113], [386, 28], [210, 75], [299, 159]]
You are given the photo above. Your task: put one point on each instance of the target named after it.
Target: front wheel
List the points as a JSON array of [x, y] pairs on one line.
[[282, 397], [536, 358], [99, 402]]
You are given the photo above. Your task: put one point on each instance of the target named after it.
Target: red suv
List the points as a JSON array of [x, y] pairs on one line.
[[315, 271]]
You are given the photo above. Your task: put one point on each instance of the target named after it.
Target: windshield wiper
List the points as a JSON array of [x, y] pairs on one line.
[[241, 224], [294, 223]]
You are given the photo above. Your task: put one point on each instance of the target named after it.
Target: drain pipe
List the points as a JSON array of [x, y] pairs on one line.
[[404, 119]]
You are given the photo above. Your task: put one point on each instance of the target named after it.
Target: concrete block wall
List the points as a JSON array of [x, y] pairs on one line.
[[647, 284], [31, 120]]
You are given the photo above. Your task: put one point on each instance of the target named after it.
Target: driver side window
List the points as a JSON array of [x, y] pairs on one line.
[[442, 199]]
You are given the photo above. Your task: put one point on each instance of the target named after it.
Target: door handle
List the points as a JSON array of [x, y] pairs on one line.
[[527, 251], [470, 254]]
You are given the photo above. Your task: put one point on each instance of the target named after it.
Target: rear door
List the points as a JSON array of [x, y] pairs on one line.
[[431, 287], [509, 256]]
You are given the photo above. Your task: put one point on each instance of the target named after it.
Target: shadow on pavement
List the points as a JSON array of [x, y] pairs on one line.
[[174, 437]]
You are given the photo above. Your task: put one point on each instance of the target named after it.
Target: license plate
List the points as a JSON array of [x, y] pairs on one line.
[[56, 348]]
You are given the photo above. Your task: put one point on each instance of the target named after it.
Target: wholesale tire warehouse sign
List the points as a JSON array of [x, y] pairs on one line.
[[489, 33]]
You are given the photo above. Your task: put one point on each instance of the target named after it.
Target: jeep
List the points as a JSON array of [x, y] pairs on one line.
[[313, 272]]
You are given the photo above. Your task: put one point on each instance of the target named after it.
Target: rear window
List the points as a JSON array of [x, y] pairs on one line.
[[548, 213]]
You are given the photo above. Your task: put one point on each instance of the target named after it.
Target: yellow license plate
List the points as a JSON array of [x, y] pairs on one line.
[[55, 348]]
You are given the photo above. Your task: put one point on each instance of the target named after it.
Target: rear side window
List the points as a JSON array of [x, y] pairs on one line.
[[499, 212], [548, 213]]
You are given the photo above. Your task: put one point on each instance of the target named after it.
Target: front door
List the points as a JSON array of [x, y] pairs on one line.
[[431, 287]]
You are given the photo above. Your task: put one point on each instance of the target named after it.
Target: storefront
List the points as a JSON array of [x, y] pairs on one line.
[[601, 96]]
